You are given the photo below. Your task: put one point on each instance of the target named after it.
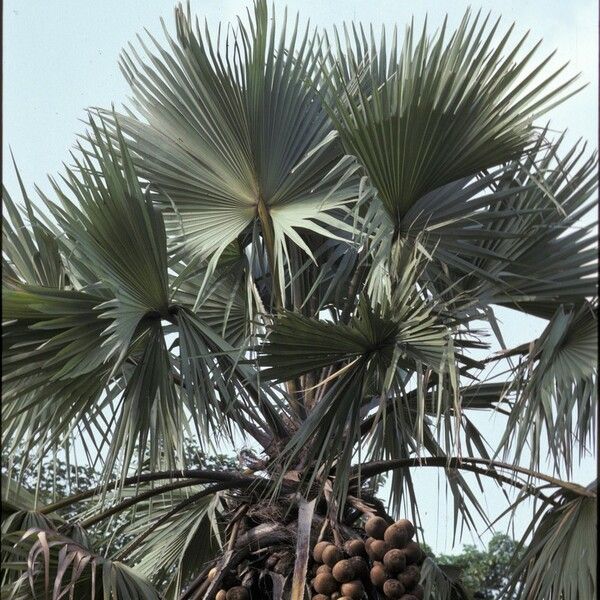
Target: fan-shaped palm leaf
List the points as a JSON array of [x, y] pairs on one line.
[[435, 111], [223, 136]]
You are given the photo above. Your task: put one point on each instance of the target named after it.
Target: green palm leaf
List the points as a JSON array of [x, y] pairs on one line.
[[556, 388], [180, 548], [560, 561], [54, 564], [224, 139], [114, 226], [29, 255], [435, 111]]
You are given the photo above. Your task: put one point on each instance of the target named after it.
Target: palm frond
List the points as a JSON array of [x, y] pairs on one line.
[[561, 559], [54, 366], [224, 139], [540, 247], [556, 389], [180, 547], [433, 111], [54, 565], [114, 226], [30, 255]]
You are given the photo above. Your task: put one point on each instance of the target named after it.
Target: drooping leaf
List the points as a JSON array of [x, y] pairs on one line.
[[556, 389], [561, 558], [53, 565]]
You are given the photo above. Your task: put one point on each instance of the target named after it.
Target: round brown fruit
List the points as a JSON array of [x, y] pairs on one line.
[[331, 555], [318, 550], [323, 569], [343, 571], [212, 574], [375, 527], [354, 548], [396, 537], [353, 589], [361, 568], [335, 596], [378, 549], [324, 583], [410, 576], [418, 592], [392, 588], [414, 554], [379, 575], [237, 593], [407, 525], [221, 595], [394, 561]]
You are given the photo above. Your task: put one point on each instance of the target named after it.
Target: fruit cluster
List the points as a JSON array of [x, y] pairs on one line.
[[341, 572], [396, 558], [394, 563]]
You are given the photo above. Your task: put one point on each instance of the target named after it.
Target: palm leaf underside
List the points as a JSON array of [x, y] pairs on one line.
[[298, 239]]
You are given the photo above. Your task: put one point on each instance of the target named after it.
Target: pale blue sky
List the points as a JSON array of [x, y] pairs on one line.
[[60, 56]]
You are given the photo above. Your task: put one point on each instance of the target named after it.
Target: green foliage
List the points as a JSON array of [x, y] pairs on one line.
[[486, 572], [295, 244]]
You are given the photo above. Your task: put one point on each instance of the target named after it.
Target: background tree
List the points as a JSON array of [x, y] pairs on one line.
[[294, 241], [486, 572]]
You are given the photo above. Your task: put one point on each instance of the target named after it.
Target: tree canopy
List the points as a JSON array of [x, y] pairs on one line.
[[292, 243]]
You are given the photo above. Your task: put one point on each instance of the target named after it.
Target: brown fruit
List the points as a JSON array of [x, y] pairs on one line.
[[407, 525], [335, 596], [212, 574], [324, 583], [410, 576], [237, 593], [375, 527], [392, 588], [331, 555], [394, 561], [378, 550], [361, 568], [379, 575], [343, 571], [318, 550], [354, 548], [418, 592], [221, 595], [414, 554], [320, 597], [396, 537], [323, 569], [353, 589]]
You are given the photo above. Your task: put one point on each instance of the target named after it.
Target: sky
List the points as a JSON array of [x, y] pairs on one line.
[[60, 57]]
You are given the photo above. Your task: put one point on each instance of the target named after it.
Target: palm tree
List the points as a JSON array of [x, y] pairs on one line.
[[291, 244]]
